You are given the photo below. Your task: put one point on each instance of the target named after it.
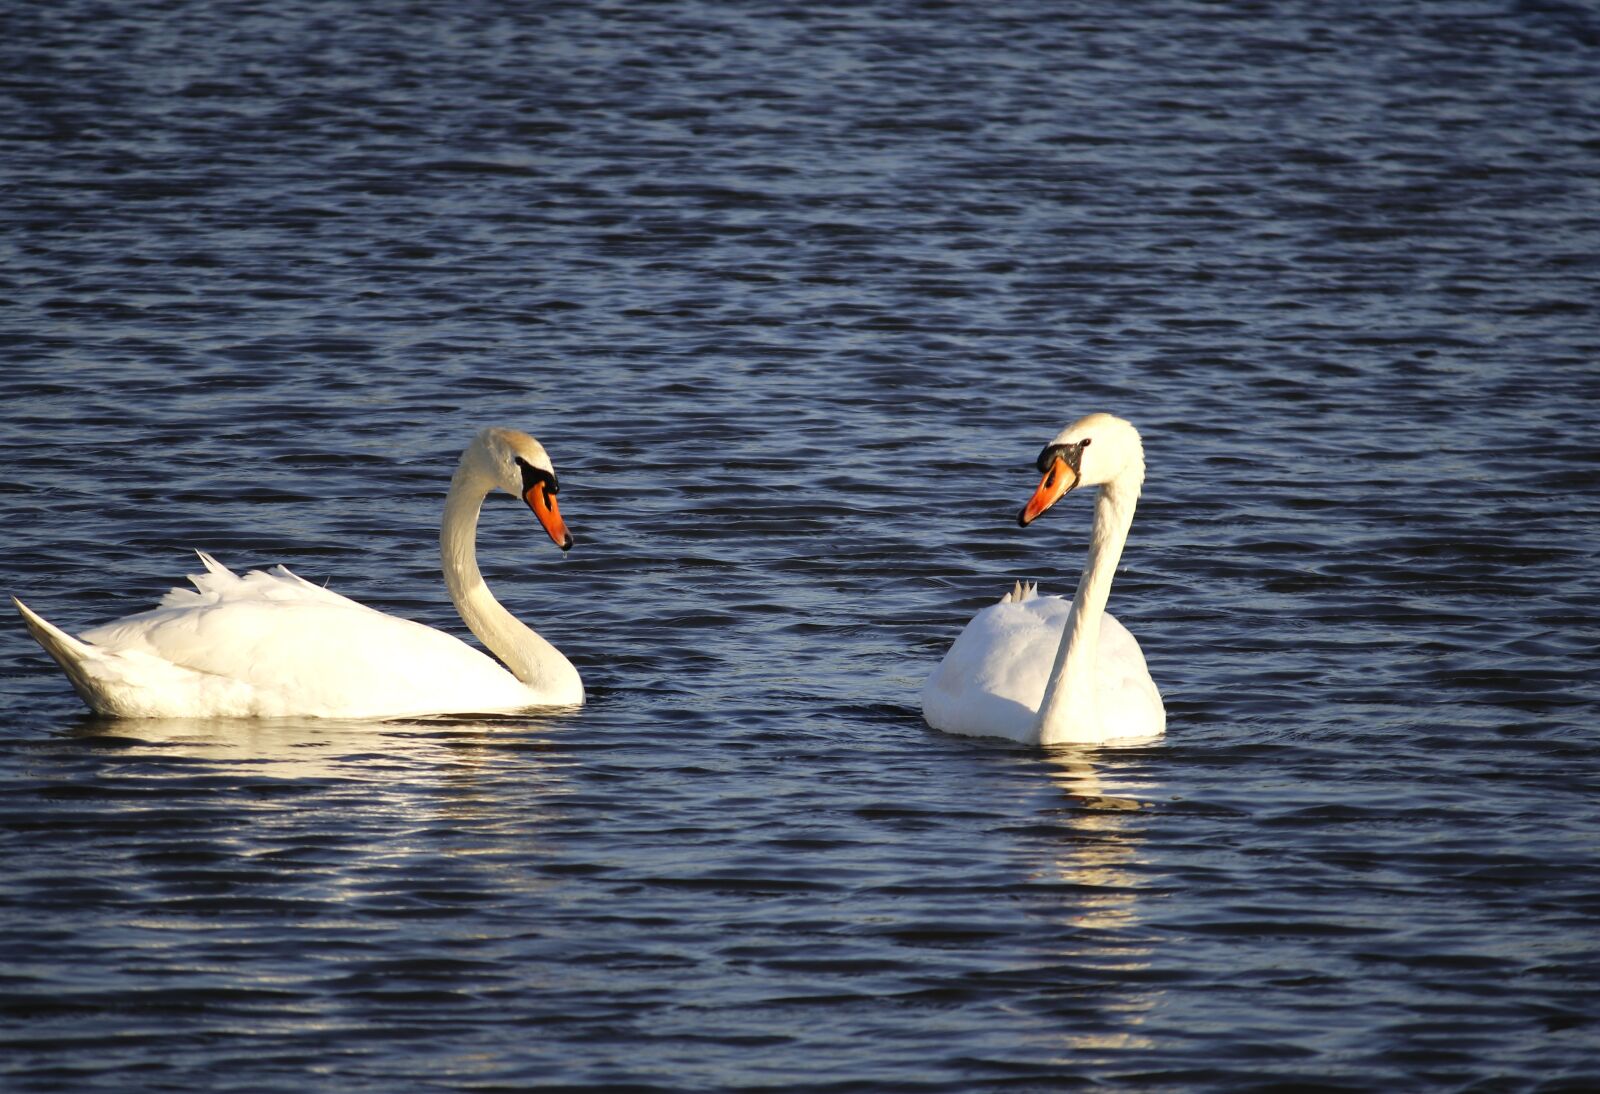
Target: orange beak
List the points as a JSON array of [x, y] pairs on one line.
[[543, 504], [1056, 482]]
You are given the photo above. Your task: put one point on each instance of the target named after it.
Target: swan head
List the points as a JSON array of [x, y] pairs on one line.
[[519, 465], [1096, 450]]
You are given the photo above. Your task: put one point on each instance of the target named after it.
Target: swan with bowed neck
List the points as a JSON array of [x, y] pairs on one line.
[[271, 644], [1044, 670]]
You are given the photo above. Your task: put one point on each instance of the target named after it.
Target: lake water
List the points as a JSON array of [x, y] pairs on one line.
[[794, 295]]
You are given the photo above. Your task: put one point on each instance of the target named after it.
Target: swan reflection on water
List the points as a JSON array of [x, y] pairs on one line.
[[1098, 856], [323, 826], [429, 751]]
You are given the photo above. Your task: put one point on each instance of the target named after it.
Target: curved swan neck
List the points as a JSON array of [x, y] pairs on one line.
[[530, 658], [1070, 709]]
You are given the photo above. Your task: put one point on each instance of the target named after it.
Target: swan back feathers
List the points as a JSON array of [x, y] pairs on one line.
[[219, 583], [1019, 592]]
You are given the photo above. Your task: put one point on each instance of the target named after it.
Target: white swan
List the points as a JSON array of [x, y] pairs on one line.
[[1043, 670], [274, 645]]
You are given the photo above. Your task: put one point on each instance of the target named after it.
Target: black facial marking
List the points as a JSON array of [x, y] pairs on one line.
[[532, 476], [1070, 454]]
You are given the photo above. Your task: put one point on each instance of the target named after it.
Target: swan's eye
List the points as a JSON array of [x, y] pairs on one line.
[[1085, 442]]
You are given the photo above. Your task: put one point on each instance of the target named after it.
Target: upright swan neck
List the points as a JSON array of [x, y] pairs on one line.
[[1070, 710], [530, 658]]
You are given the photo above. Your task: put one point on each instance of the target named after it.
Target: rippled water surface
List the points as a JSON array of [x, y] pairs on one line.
[[793, 295]]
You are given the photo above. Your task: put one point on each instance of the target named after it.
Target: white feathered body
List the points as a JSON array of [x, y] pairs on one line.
[[271, 644], [992, 681]]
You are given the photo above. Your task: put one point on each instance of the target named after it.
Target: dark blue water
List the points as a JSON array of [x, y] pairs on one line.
[[793, 295]]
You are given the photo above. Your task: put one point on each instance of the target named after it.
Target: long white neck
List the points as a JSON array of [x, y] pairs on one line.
[[530, 658], [1070, 710]]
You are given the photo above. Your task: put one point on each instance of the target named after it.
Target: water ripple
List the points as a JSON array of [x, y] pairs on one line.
[[793, 297]]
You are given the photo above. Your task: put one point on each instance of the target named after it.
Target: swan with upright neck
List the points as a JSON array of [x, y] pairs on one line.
[[274, 645], [1044, 670]]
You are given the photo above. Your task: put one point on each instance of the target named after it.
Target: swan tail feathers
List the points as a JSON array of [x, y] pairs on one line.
[[72, 654], [56, 642], [133, 684]]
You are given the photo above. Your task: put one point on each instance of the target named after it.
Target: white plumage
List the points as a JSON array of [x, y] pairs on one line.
[[1043, 669], [271, 644]]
